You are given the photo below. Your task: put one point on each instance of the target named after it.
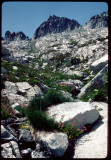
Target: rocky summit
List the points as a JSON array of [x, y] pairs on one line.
[[55, 24], [98, 21], [54, 90], [13, 36]]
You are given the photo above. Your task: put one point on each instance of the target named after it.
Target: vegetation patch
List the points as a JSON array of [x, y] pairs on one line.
[[70, 128], [38, 105], [87, 43]]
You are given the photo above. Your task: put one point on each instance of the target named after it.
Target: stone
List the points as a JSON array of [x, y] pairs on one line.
[[6, 135], [25, 136], [34, 91], [23, 85], [56, 142], [77, 82], [6, 151], [97, 65], [14, 98], [36, 154], [77, 73], [3, 70], [83, 111], [11, 87], [97, 82], [26, 153], [94, 144], [15, 148], [5, 51], [15, 68]]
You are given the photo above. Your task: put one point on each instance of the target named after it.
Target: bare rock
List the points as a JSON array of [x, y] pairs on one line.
[[56, 143], [94, 143], [6, 135], [83, 111], [97, 65]]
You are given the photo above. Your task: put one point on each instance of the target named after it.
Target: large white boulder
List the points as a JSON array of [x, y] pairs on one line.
[[97, 82], [82, 112], [97, 65], [55, 142], [94, 144]]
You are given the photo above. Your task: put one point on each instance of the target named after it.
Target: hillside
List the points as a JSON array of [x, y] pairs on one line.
[[54, 90]]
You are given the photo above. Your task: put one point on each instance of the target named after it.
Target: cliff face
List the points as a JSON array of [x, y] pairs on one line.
[[98, 21], [55, 24]]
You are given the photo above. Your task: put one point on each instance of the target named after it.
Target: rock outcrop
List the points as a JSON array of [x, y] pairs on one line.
[[97, 82], [13, 36], [20, 92], [97, 65], [55, 24], [98, 21]]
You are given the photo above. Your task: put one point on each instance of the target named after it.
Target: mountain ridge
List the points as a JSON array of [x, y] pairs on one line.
[[55, 24]]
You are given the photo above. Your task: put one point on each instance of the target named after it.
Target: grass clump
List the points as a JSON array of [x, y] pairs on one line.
[[38, 105], [41, 121], [50, 98]]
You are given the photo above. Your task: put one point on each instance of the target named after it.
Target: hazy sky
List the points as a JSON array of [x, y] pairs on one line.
[[27, 16]]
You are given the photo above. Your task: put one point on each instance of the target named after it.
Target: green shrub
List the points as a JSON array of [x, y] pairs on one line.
[[55, 97], [37, 105], [50, 98], [40, 121]]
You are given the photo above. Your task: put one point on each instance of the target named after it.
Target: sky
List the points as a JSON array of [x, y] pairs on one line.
[[28, 16]]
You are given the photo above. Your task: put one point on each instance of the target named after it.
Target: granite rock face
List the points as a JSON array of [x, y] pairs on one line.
[[93, 144], [97, 82], [55, 24], [98, 21]]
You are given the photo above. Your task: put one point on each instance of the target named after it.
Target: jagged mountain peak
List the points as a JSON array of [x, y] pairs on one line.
[[13, 36], [55, 24], [98, 21]]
